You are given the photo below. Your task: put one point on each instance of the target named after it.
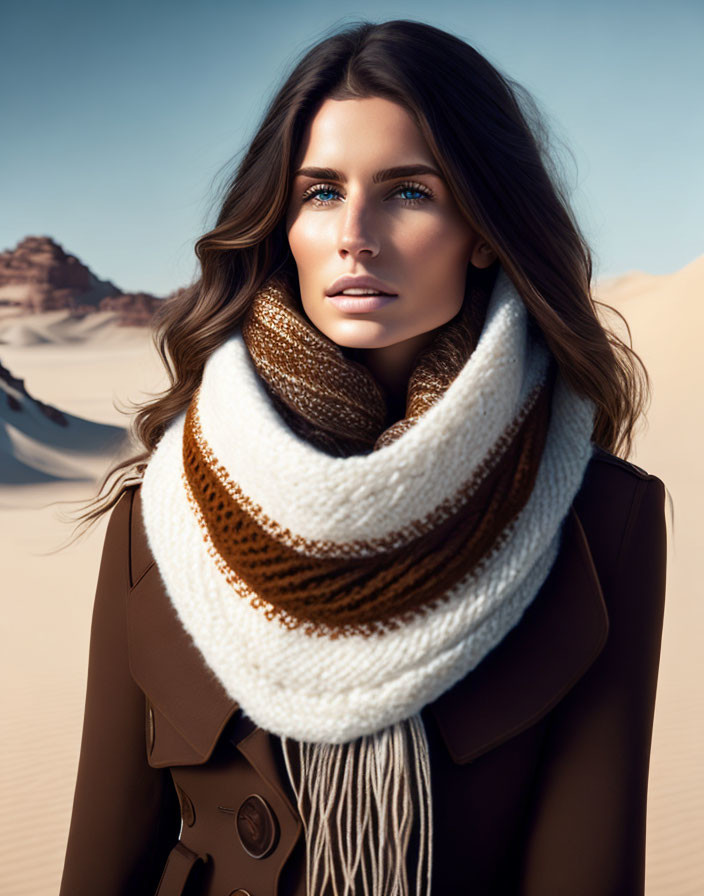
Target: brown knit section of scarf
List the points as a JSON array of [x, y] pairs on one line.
[[351, 593], [335, 402]]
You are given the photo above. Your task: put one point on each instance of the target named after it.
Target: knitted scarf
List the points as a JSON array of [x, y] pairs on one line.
[[365, 565]]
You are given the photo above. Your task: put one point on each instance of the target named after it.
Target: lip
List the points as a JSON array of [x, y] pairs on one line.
[[360, 304], [366, 282]]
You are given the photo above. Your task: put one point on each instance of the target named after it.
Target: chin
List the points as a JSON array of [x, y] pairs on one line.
[[364, 334]]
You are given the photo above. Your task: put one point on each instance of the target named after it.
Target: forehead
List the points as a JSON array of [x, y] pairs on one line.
[[359, 130]]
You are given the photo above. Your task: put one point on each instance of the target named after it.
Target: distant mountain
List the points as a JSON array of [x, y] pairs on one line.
[[38, 275], [39, 443]]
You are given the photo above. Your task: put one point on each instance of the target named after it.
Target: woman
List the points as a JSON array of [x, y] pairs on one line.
[[382, 613]]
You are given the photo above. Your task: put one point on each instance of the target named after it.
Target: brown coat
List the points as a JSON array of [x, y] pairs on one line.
[[539, 755]]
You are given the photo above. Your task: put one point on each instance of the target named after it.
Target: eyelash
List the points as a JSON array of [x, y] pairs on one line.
[[328, 188]]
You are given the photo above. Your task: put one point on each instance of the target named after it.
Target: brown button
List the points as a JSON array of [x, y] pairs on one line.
[[257, 826], [239, 893], [188, 812]]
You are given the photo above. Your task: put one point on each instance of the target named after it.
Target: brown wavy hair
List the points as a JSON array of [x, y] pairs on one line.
[[488, 139]]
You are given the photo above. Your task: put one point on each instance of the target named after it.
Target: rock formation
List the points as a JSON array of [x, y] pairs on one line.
[[38, 275]]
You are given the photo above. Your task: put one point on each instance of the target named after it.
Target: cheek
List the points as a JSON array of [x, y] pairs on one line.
[[309, 237], [436, 247], [296, 242]]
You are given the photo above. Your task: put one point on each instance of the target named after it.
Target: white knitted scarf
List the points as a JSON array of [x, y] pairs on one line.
[[353, 703]]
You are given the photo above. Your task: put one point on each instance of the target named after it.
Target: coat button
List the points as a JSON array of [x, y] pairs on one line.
[[239, 893], [256, 826]]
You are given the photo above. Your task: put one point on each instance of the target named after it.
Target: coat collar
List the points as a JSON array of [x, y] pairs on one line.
[[559, 636]]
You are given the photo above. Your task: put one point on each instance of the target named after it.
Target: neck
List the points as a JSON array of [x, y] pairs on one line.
[[391, 366]]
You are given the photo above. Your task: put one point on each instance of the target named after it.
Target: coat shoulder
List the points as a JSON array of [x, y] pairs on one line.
[[126, 537], [141, 558], [609, 486], [609, 500], [601, 456]]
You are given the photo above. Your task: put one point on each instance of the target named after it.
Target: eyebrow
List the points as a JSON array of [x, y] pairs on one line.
[[377, 177]]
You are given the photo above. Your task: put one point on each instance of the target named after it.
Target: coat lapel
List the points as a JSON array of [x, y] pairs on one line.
[[559, 636], [168, 667]]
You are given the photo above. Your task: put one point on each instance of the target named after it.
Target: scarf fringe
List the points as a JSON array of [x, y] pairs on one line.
[[357, 801]]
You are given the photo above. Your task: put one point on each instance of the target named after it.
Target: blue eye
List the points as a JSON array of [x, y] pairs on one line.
[[323, 195], [411, 190]]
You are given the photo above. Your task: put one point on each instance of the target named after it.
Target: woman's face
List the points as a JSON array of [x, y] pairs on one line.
[[359, 208]]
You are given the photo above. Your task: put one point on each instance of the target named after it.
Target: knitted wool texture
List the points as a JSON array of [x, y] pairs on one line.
[[322, 680]]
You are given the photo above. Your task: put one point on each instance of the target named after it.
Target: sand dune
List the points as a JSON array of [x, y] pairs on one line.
[[60, 328], [666, 318], [89, 374], [89, 369], [41, 443]]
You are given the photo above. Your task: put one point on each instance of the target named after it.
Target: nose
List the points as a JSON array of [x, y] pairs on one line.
[[357, 233]]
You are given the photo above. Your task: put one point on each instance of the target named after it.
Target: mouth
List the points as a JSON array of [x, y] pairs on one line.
[[358, 301], [350, 291], [359, 286]]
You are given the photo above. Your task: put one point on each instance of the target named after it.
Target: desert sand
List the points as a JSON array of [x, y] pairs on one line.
[[89, 369]]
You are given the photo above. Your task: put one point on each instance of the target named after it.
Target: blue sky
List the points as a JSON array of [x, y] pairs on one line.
[[118, 120]]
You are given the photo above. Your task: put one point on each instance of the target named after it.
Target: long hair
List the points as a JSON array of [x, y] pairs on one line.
[[487, 139]]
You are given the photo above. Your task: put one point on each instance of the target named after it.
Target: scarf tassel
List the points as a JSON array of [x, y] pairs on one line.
[[359, 802]]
